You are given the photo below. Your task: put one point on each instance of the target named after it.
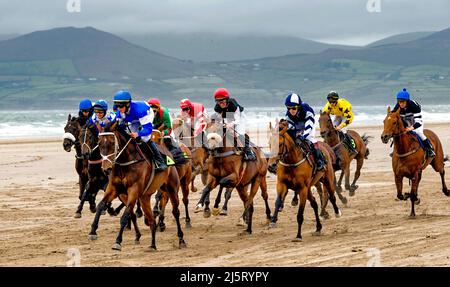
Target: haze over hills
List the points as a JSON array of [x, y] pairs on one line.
[[57, 67], [202, 47], [401, 38]]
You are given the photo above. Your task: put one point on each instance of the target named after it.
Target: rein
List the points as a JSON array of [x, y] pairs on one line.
[[116, 150], [283, 154]]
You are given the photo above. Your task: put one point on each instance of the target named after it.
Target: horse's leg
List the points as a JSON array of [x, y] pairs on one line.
[[119, 208], [216, 210], [138, 210], [414, 188], [172, 191], [339, 183], [281, 194], [301, 209], [227, 196], [399, 186], [81, 204], [444, 186], [184, 183], [125, 219], [265, 196], [156, 209], [162, 210], [147, 209], [347, 179], [212, 183], [195, 172], [329, 188], [294, 201], [110, 194], [243, 220], [323, 200], [359, 164], [313, 202]]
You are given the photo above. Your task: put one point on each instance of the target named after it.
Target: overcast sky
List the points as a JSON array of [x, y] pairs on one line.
[[337, 21]]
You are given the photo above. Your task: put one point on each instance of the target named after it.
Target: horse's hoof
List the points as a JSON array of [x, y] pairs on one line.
[[206, 213], [188, 225], [339, 189], [194, 189], [417, 202], [162, 228], [128, 227], [351, 193], [137, 242], [245, 232], [138, 214], [94, 210], [182, 244], [224, 212], [316, 233], [325, 215], [215, 211], [339, 214], [294, 202], [77, 215], [198, 208], [297, 239], [92, 237], [151, 249], [117, 247], [344, 200], [273, 225], [412, 216]]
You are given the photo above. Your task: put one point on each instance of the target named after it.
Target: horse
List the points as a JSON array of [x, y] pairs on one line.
[[296, 171], [133, 178], [227, 169], [199, 154], [71, 134], [409, 159], [333, 138], [185, 175]]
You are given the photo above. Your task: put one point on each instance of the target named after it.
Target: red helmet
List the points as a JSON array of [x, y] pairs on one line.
[[221, 93], [185, 103], [154, 102]]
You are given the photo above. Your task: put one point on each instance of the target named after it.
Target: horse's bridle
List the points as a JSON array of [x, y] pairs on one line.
[[116, 152], [283, 153]]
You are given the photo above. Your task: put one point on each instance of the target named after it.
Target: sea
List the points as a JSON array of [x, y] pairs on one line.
[[50, 123]]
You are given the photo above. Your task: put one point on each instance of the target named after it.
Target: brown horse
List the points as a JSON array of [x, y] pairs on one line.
[[185, 176], [198, 154], [296, 171], [133, 178], [333, 138], [409, 159], [227, 169]]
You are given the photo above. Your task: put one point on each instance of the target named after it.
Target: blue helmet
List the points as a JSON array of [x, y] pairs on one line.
[[122, 96], [293, 100], [403, 95], [101, 105], [85, 104]]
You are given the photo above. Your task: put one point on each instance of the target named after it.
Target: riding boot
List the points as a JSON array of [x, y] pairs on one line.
[[150, 148], [429, 148], [349, 143], [249, 155], [318, 157]]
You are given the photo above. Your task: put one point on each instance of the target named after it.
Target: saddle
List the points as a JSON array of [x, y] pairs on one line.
[[179, 156], [348, 142], [307, 150]]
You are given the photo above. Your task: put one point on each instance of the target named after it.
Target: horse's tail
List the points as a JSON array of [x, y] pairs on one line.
[[366, 139]]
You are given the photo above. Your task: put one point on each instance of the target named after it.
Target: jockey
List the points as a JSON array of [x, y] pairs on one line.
[[85, 111], [342, 110], [100, 117], [196, 114], [411, 114], [163, 122], [300, 118], [231, 113], [136, 119]]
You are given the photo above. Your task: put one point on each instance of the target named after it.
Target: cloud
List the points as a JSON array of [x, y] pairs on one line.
[[318, 19]]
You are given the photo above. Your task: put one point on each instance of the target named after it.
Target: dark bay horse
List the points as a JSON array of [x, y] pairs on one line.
[[185, 175], [333, 138], [296, 171], [133, 178], [227, 169], [409, 159], [70, 138]]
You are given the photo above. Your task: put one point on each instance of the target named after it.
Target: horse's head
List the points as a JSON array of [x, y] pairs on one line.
[[108, 144], [88, 139], [157, 136], [325, 123], [393, 125], [71, 132], [214, 140], [276, 142]]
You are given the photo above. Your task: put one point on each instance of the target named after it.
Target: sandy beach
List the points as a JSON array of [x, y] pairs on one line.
[[39, 194]]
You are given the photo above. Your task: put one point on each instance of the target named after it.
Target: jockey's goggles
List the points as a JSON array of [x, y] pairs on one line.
[[121, 105], [292, 107], [221, 101]]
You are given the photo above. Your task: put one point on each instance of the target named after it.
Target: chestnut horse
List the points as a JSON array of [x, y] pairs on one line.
[[133, 178], [409, 159], [333, 138], [296, 171], [185, 176], [227, 169]]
